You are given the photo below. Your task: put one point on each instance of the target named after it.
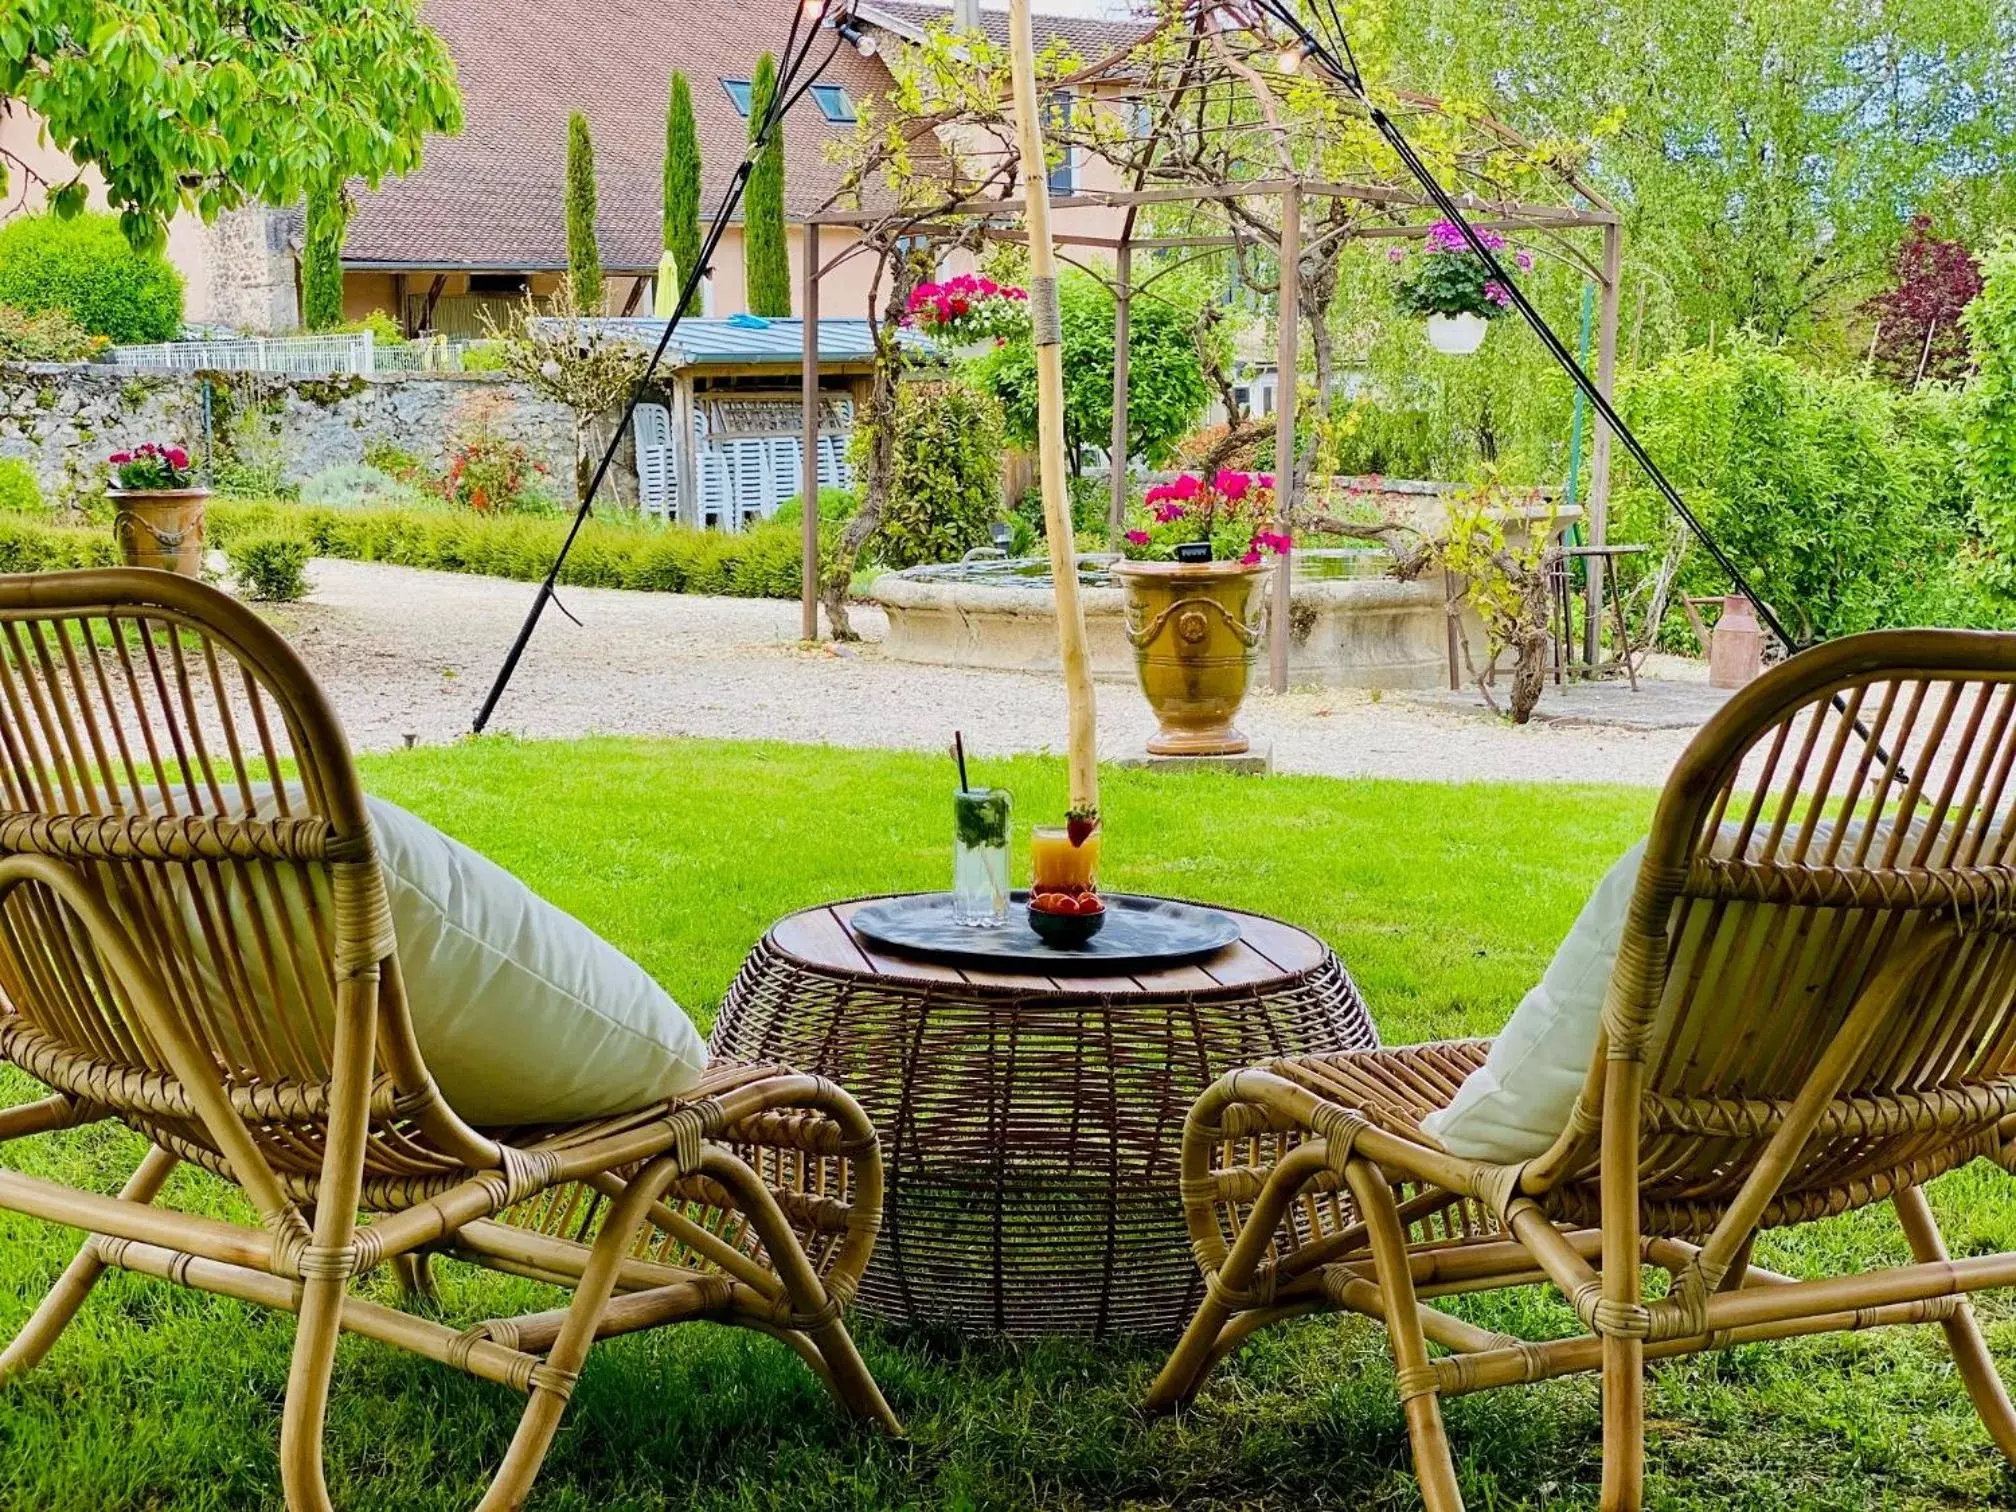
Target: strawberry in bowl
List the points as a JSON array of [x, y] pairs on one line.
[[1064, 919]]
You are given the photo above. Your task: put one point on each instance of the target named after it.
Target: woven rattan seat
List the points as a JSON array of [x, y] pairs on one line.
[[1813, 1010], [225, 984]]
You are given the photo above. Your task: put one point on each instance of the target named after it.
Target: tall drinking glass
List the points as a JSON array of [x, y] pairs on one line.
[[980, 857]]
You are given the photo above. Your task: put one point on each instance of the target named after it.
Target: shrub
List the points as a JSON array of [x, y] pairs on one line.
[[945, 488], [489, 472], [758, 563], [385, 331], [357, 485], [836, 507], [85, 267], [483, 357], [327, 219], [269, 565], [44, 336], [394, 461], [29, 546], [20, 493], [1833, 497], [238, 477], [1991, 425]]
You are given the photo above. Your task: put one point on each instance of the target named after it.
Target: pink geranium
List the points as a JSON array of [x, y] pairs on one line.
[[1137, 538]]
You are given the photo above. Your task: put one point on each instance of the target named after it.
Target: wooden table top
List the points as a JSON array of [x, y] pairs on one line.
[[1267, 951]]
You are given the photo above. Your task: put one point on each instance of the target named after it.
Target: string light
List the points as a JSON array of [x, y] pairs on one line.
[[1290, 59]]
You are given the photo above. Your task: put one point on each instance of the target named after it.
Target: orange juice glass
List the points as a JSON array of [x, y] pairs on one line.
[[1056, 865]]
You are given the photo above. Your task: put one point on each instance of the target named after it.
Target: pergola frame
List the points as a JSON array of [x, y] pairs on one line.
[[956, 217]]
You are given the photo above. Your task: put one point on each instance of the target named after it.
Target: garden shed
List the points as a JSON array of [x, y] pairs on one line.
[[724, 446]]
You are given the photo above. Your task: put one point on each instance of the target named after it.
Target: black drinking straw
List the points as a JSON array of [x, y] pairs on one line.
[[959, 755]]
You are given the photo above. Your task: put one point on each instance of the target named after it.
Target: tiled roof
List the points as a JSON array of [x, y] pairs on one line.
[[1090, 40], [741, 339], [491, 197]]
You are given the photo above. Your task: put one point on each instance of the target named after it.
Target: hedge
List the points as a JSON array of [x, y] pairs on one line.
[[759, 563], [85, 267], [30, 546]]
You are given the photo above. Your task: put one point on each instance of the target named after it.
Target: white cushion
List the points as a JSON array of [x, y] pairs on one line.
[[1513, 1106], [524, 1013]]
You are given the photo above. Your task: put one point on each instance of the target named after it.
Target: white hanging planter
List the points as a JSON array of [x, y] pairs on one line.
[[1457, 335]]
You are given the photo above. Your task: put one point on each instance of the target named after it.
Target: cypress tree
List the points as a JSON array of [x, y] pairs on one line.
[[584, 258], [766, 262], [682, 185], [322, 258]]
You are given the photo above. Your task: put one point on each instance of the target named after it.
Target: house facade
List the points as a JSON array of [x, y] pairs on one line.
[[480, 224]]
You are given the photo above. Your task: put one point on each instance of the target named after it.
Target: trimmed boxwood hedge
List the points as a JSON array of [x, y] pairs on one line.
[[759, 563], [31, 546]]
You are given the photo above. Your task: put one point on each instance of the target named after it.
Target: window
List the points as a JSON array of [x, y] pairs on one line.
[[1063, 177], [499, 283], [738, 91], [833, 103]]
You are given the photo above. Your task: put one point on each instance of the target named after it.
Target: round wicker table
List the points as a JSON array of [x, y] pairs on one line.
[[1031, 1124]]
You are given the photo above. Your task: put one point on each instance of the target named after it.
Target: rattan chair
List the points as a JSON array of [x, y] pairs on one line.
[[225, 984], [1811, 1011]]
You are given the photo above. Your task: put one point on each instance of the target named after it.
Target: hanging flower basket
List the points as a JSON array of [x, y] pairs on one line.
[[971, 316], [1457, 335], [1454, 288]]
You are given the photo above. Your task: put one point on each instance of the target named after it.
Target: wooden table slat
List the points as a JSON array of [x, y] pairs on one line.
[[883, 964], [1287, 947], [816, 935], [1240, 965]]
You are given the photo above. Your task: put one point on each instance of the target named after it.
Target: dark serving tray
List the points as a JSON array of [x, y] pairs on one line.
[[1139, 932]]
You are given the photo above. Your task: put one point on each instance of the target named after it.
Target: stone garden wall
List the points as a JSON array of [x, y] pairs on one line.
[[65, 420]]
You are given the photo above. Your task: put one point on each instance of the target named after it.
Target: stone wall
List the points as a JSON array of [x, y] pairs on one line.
[[65, 420], [247, 262]]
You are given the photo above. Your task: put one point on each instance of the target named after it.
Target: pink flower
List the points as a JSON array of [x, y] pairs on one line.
[[1157, 494], [1232, 485], [1524, 259], [119, 459], [177, 458], [1271, 540], [1396, 254], [1137, 538], [1165, 513], [1266, 481], [1189, 486], [1251, 559], [1497, 293]]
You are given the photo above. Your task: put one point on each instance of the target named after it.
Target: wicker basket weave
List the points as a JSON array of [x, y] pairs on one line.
[[1031, 1129]]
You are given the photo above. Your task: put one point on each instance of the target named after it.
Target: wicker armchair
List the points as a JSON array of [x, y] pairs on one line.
[[1811, 1011], [226, 985]]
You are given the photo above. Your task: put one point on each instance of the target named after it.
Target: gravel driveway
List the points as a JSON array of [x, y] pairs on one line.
[[403, 651]]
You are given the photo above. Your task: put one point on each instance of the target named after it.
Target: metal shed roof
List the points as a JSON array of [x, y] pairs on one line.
[[740, 340]]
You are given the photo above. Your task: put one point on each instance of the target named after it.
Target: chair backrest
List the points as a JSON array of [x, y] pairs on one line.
[[193, 926], [1823, 936]]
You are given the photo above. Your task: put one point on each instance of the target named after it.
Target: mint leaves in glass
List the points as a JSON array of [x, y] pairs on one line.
[[980, 857]]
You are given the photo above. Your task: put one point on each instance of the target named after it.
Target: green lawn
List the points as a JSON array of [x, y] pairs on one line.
[[1445, 902]]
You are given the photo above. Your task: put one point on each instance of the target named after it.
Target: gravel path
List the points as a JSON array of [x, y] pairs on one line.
[[402, 651]]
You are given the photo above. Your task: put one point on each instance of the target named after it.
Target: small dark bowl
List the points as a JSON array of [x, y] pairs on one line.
[[1066, 931]]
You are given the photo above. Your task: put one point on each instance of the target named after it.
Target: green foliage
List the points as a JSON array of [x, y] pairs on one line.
[[84, 267], [584, 254], [945, 482], [1767, 155], [358, 486], [1166, 386], [45, 336], [270, 565], [682, 183], [328, 218], [765, 258], [1833, 496], [836, 507], [484, 357], [758, 563], [212, 106], [28, 545], [1991, 428], [20, 493], [385, 331], [392, 460]]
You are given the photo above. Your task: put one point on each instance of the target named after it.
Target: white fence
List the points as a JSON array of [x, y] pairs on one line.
[[297, 356]]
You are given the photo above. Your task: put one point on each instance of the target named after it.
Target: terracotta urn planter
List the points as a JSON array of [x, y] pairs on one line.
[[1196, 630], [160, 528]]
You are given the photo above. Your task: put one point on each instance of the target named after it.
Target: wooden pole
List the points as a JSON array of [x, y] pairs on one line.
[[1116, 508], [1048, 335], [1599, 459], [1280, 614], [808, 303]]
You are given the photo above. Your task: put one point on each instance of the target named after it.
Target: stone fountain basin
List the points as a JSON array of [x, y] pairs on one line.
[[1354, 633]]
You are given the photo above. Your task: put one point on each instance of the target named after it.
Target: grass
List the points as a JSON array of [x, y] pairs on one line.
[[1444, 900]]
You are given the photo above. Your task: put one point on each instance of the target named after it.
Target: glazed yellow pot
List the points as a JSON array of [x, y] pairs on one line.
[[1196, 630]]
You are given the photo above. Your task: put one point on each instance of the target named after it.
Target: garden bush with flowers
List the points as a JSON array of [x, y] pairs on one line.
[[966, 310], [152, 467], [1234, 511], [1447, 278]]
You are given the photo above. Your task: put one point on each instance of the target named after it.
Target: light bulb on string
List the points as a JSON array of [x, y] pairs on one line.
[[1290, 59]]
